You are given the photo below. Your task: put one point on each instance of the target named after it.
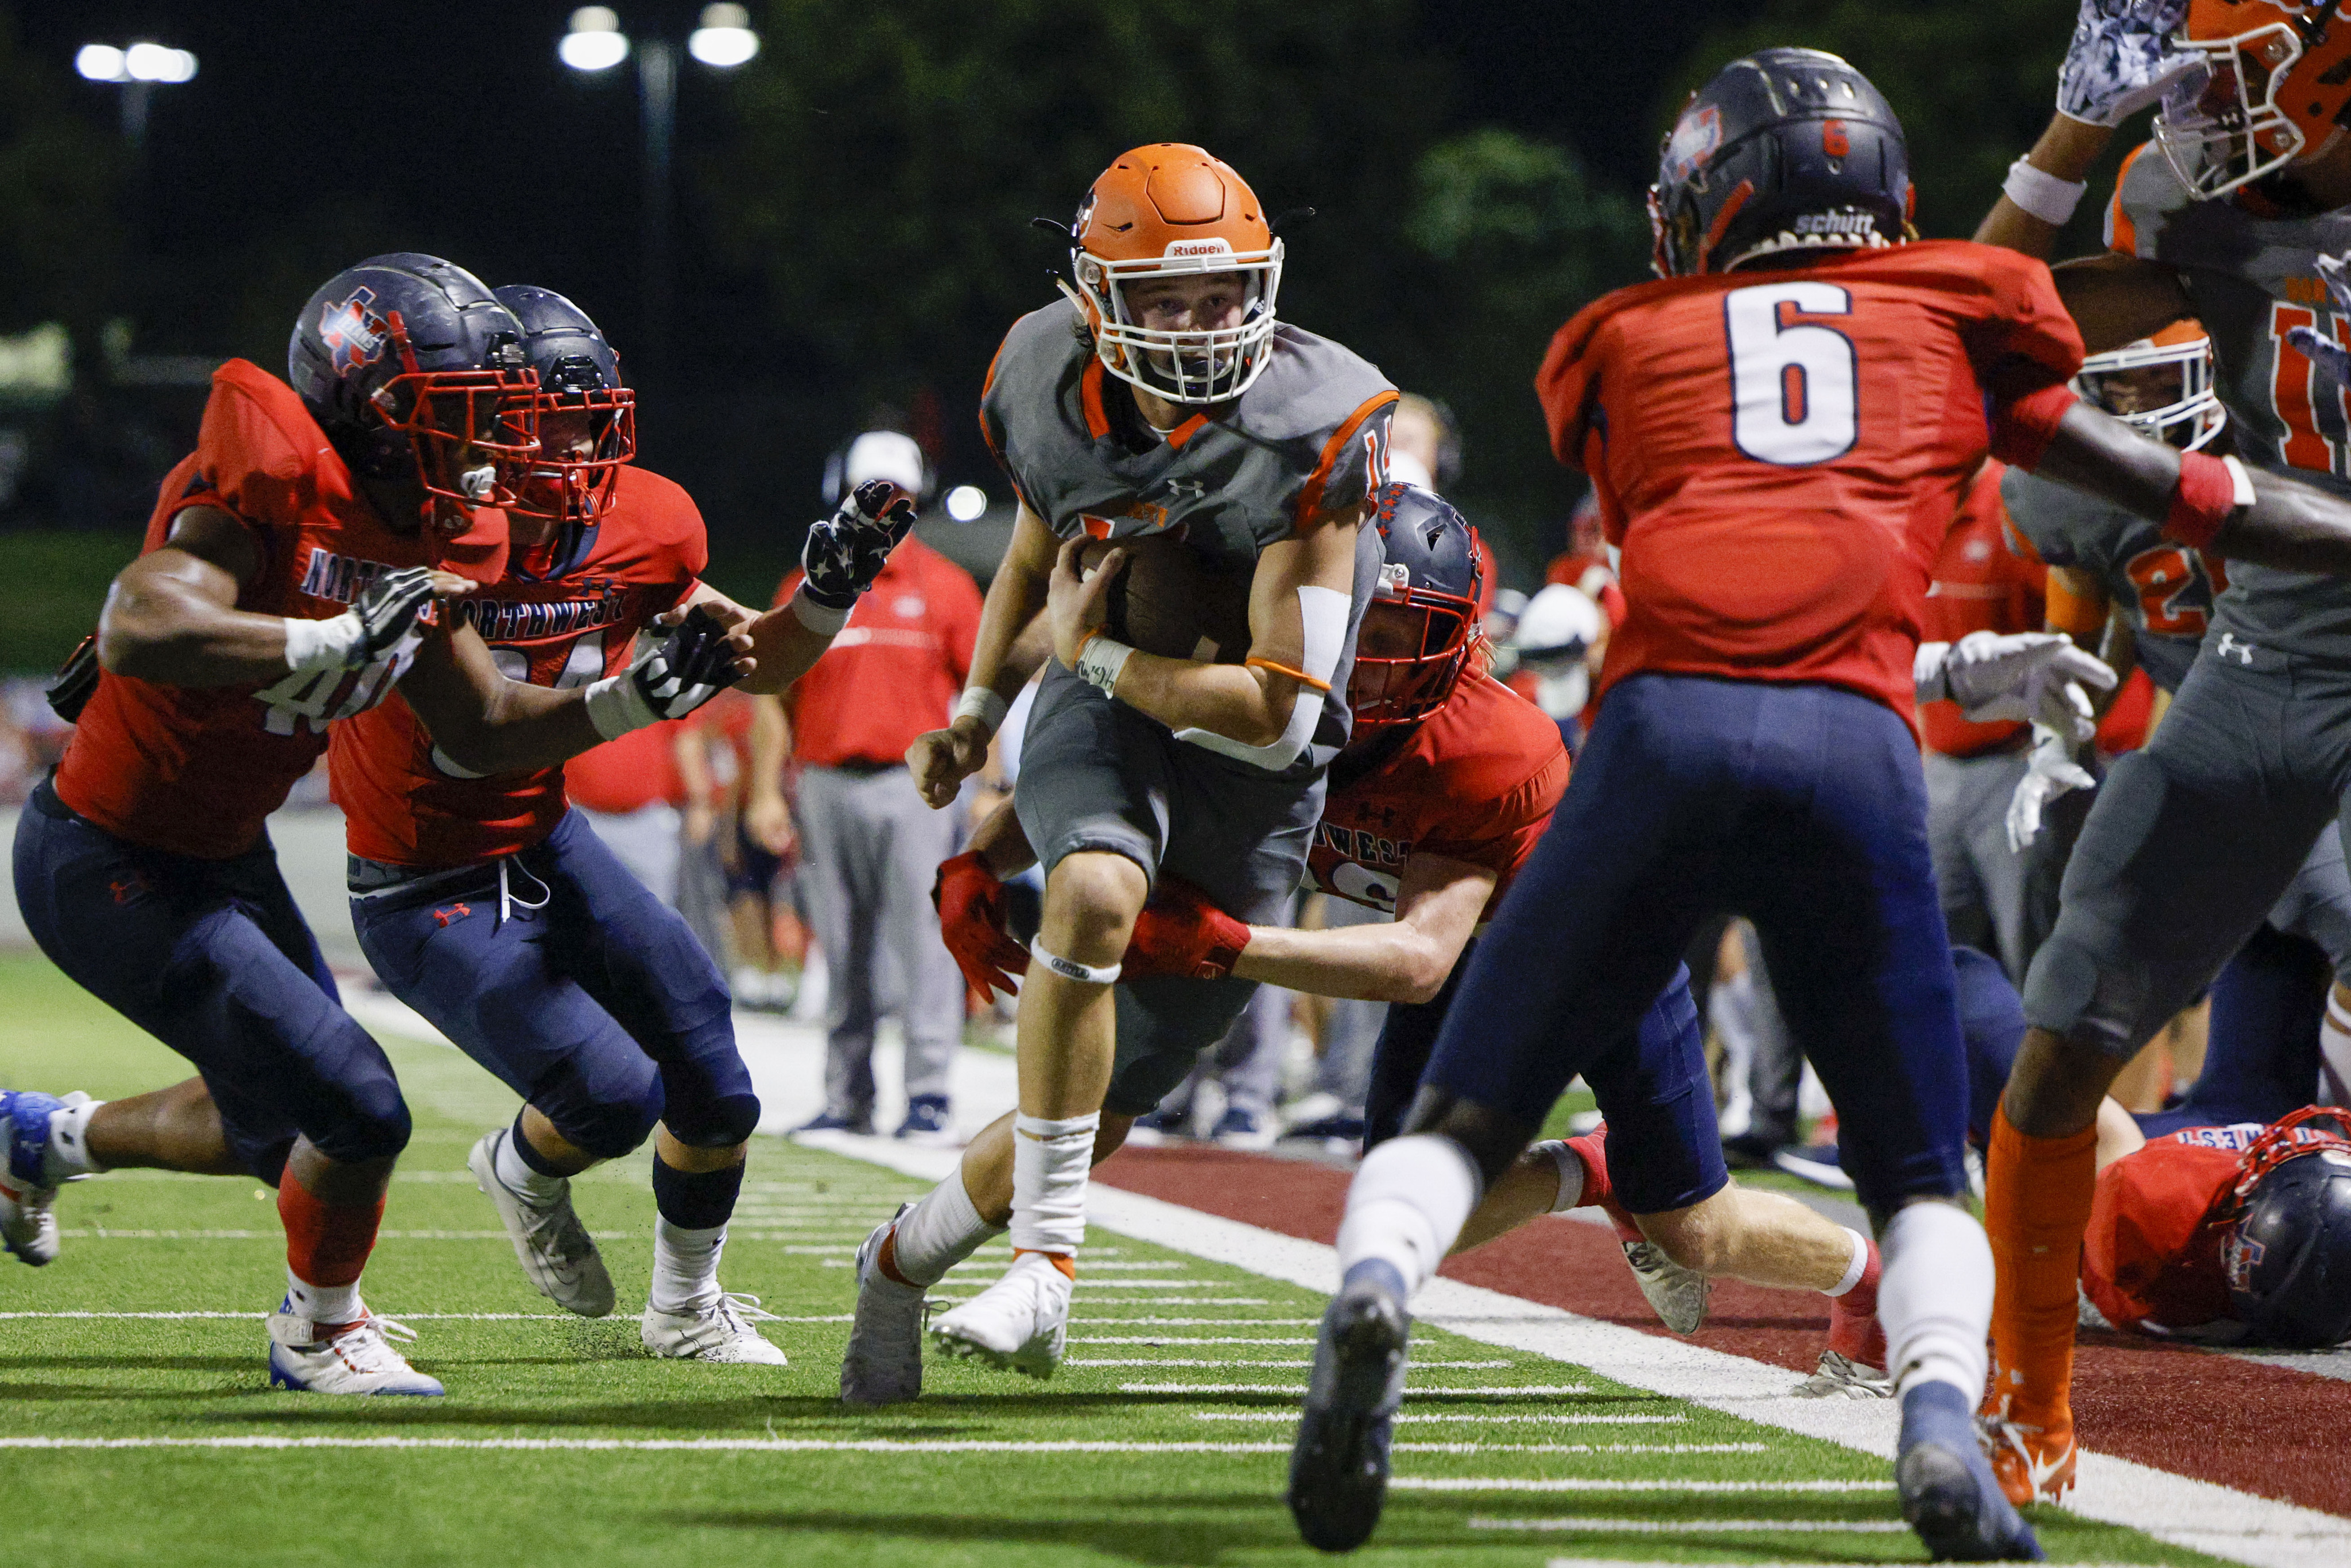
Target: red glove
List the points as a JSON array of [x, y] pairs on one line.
[[1181, 934], [970, 901]]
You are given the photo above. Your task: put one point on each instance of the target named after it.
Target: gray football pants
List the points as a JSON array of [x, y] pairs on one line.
[[1980, 879], [2192, 842], [870, 851]]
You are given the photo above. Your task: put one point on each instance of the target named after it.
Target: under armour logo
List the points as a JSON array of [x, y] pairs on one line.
[[455, 911], [126, 888], [2231, 648], [1181, 488]]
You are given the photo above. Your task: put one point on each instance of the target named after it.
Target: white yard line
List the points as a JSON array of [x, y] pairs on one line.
[[1466, 1417], [1696, 1526], [1549, 1391], [1594, 1483], [1291, 1366]]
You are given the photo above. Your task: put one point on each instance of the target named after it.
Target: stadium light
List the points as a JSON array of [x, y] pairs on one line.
[[100, 62], [595, 42], [725, 38], [966, 503], [139, 62]]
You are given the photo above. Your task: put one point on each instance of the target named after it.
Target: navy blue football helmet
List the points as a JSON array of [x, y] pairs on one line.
[[2288, 1248], [416, 373], [1421, 626], [587, 413], [1784, 149]]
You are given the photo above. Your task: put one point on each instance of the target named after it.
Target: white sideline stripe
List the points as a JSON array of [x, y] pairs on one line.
[[1299, 1389], [1291, 1366], [1589, 1483], [2201, 1515], [1696, 1526], [1450, 1420]]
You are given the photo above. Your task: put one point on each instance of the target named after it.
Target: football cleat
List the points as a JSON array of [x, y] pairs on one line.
[[884, 1365], [2030, 1461], [930, 1119], [720, 1331], [1949, 1494], [1678, 1295], [343, 1358], [555, 1251], [1842, 1377], [28, 1224], [1020, 1323], [1241, 1128], [1338, 1465]]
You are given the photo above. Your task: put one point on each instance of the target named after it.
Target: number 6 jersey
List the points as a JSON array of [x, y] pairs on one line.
[[1778, 453], [195, 769]]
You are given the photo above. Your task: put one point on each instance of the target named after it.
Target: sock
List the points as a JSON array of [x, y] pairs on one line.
[[1855, 1330], [690, 1233], [1584, 1180], [1406, 1206], [524, 1171], [935, 1235], [1934, 1296], [1049, 1161], [69, 1154], [2037, 1194], [326, 1246], [2334, 1054]]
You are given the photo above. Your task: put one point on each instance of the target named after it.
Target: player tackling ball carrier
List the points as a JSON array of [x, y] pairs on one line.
[[1778, 431], [1164, 401]]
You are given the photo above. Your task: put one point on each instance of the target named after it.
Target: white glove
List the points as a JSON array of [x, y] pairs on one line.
[[2119, 60], [2052, 772], [2036, 675], [2333, 359]]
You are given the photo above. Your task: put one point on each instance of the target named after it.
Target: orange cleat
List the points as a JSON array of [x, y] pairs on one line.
[[2032, 1463]]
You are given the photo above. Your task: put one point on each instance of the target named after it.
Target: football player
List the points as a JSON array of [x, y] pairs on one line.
[[487, 906], [283, 586], [1164, 398], [1441, 793], [2230, 216], [1778, 430]]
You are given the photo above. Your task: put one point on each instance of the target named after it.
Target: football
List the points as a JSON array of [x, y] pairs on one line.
[[1171, 600]]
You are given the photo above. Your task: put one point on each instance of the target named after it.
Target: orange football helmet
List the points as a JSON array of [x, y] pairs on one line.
[[2160, 386], [2272, 78], [1170, 208]]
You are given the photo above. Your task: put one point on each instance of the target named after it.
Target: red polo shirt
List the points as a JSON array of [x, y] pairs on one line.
[[894, 670]]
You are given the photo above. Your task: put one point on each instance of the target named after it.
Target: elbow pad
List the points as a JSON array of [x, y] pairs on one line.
[[1323, 611]]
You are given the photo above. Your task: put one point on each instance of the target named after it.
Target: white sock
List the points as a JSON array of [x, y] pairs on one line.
[[1854, 1270], [535, 1187], [1049, 1161], [686, 1266], [69, 1154], [1407, 1204], [1571, 1174], [324, 1303], [2334, 1054], [939, 1233], [1934, 1297]]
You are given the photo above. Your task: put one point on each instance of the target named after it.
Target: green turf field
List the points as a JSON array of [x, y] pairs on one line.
[[561, 1443]]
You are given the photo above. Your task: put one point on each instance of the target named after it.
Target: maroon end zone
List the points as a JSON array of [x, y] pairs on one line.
[[2262, 1429]]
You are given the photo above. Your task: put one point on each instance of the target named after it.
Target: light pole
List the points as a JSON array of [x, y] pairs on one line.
[[595, 44], [136, 69]]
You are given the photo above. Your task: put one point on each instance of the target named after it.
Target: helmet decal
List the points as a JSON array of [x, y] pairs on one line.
[[1693, 142], [353, 333]]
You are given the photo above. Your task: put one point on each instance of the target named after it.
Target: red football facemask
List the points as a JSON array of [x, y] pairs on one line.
[[1410, 653], [584, 438], [464, 428]]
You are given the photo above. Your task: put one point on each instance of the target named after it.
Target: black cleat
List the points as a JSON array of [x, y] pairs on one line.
[[1949, 1494], [1339, 1469]]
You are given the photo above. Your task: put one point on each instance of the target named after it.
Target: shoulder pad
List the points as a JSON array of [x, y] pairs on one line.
[[1313, 387]]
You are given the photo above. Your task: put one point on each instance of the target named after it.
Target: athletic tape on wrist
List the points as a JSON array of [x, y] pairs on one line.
[[1069, 969], [321, 645], [1571, 1174], [2210, 489], [1100, 660], [821, 619], [979, 703], [615, 707], [2041, 193]]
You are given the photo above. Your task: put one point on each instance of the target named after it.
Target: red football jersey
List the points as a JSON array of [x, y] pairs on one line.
[[409, 806], [1779, 453], [1475, 781], [196, 769], [1979, 585], [2150, 1261]]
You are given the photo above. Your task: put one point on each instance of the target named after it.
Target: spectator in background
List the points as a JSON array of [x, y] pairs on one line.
[[1584, 563], [1557, 643], [732, 877], [630, 792], [1424, 446], [870, 847]]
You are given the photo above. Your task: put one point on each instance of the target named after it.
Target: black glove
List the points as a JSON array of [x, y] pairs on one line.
[[692, 665], [845, 552], [387, 612]]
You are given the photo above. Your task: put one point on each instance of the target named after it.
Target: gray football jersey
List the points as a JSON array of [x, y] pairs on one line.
[[2165, 589], [2252, 280]]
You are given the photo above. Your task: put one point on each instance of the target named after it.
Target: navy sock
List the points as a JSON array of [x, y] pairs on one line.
[[695, 1200], [530, 1156]]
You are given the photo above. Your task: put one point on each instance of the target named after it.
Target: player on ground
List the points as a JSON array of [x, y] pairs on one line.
[[494, 911], [1778, 431], [2229, 217], [1164, 401], [143, 867]]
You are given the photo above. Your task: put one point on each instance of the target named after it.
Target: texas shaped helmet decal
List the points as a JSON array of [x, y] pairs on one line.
[[352, 333], [1694, 138]]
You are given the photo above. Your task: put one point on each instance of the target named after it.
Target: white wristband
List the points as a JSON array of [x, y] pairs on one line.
[[2041, 193], [615, 707], [321, 645], [1069, 969], [1099, 661], [979, 703], [821, 619]]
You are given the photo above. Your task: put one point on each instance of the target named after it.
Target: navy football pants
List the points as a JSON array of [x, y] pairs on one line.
[[212, 958], [1801, 807], [1665, 1151], [578, 988]]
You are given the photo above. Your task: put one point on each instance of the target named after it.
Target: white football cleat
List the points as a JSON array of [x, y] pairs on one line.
[[28, 1224], [1020, 1323], [1678, 1295], [720, 1331], [355, 1358], [884, 1365], [1839, 1376], [555, 1251]]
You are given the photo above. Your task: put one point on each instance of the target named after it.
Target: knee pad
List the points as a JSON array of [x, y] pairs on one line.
[[376, 1127], [614, 1123], [720, 1122]]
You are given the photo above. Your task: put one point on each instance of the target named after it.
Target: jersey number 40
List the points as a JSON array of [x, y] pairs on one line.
[[1793, 384]]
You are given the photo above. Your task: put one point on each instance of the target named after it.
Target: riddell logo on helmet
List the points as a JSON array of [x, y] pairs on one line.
[[352, 333], [1198, 247]]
